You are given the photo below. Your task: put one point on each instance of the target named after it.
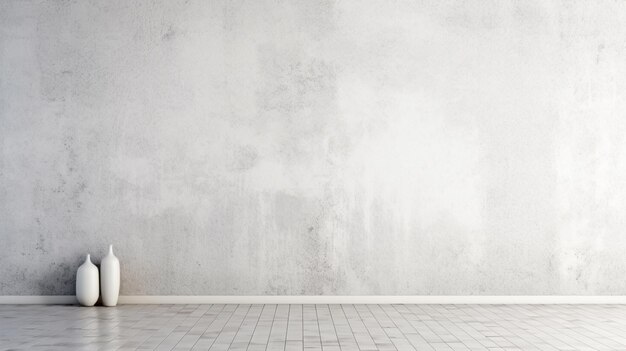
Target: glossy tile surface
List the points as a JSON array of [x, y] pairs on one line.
[[314, 327]]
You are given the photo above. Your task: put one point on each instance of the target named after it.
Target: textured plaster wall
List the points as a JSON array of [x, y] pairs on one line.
[[315, 147]]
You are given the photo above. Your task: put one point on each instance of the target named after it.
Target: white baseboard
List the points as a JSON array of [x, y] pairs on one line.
[[151, 299], [545, 299], [38, 300]]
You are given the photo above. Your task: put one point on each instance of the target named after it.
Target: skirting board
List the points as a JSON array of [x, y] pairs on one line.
[[541, 299]]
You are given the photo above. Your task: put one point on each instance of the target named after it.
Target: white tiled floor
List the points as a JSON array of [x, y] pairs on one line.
[[314, 327]]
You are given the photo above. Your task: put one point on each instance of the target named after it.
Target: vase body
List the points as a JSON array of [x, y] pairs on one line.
[[110, 278], [87, 283]]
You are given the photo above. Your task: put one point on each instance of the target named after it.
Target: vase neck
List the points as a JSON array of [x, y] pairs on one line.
[[110, 249], [88, 259]]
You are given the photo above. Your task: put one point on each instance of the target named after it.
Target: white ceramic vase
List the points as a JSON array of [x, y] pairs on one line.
[[110, 278], [87, 283]]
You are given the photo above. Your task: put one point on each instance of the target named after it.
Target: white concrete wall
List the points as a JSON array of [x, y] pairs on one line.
[[315, 147]]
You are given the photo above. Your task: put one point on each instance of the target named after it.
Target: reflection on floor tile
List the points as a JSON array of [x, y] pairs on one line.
[[314, 327]]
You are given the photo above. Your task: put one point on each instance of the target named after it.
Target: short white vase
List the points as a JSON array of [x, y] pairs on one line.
[[87, 283], [110, 278]]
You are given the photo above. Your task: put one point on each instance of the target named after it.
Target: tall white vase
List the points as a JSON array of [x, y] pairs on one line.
[[87, 283], [110, 278]]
